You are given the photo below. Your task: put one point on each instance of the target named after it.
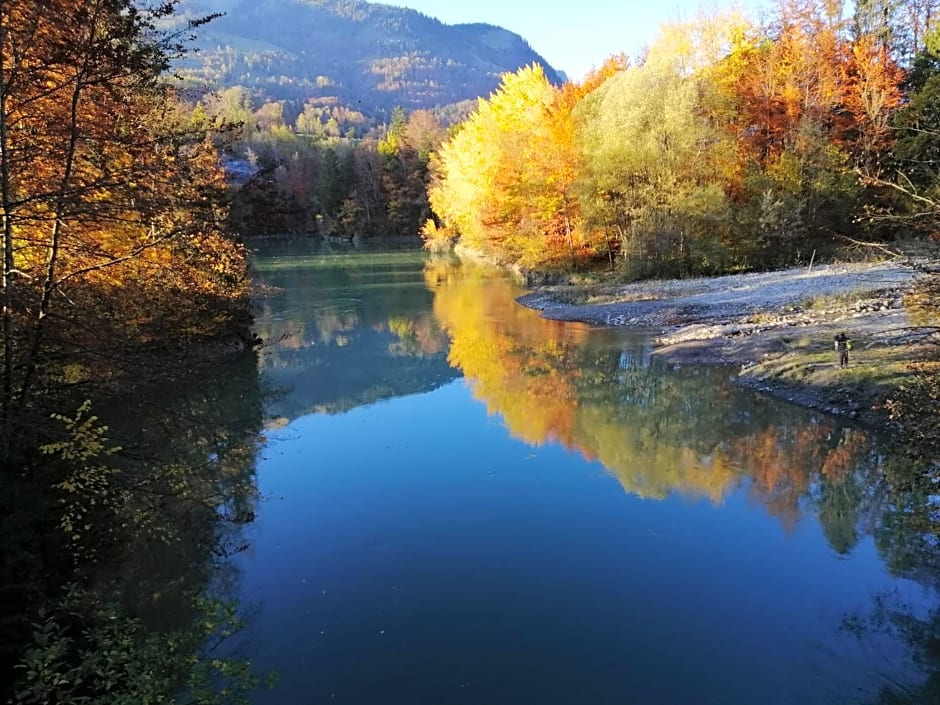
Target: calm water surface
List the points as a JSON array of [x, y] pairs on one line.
[[467, 504]]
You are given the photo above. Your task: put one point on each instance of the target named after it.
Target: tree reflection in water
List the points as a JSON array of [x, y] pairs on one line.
[[690, 431]]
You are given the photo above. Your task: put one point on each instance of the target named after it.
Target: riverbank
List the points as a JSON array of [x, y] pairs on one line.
[[775, 328]]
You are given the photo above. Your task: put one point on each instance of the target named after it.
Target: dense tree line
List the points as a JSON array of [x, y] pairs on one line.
[[728, 145], [118, 279], [326, 170]]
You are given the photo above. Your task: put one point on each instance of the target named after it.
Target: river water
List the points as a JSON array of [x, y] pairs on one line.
[[464, 503]]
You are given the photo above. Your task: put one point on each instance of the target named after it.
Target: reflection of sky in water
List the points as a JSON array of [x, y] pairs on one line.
[[348, 334], [414, 550]]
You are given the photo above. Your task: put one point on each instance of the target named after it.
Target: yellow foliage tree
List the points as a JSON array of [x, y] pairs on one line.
[[504, 180]]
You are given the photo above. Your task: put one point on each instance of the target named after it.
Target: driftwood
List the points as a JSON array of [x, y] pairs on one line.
[[873, 245]]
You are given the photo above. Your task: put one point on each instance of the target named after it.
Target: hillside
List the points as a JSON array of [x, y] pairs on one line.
[[366, 55]]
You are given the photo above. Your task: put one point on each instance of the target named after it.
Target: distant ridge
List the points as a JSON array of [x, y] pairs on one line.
[[371, 56]]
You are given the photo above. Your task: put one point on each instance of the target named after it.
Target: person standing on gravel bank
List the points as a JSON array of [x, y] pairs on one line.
[[843, 345]]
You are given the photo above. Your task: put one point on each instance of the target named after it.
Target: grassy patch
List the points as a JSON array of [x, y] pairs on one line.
[[841, 300], [813, 367], [762, 317]]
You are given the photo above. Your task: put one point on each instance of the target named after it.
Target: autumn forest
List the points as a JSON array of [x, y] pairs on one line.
[[131, 410], [727, 146]]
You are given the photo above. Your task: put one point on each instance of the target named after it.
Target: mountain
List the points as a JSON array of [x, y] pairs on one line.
[[365, 55]]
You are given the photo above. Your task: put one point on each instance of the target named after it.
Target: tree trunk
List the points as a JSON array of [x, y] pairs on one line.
[[50, 283], [6, 281]]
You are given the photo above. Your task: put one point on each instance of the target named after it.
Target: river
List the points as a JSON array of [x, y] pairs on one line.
[[464, 503]]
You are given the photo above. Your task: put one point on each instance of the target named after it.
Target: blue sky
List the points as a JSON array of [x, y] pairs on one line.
[[572, 35]]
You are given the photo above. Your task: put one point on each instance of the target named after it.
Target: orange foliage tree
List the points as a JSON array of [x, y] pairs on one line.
[[109, 200], [804, 70], [872, 93]]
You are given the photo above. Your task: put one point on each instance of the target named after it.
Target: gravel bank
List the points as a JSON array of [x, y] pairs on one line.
[[675, 304], [776, 327]]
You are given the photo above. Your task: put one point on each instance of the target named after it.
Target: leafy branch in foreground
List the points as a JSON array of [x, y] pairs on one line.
[[85, 649], [117, 277]]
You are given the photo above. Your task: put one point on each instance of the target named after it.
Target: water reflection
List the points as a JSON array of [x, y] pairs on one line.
[[188, 451], [117, 581], [421, 550], [685, 431], [351, 328]]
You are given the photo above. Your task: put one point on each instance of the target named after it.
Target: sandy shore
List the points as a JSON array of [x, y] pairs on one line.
[[775, 328]]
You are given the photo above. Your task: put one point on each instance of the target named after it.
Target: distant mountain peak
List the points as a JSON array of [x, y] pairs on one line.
[[371, 55]]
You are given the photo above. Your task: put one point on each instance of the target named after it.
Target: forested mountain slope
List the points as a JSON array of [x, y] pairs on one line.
[[366, 55]]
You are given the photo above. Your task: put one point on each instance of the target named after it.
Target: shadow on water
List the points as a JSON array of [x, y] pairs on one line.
[[153, 520], [907, 534]]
